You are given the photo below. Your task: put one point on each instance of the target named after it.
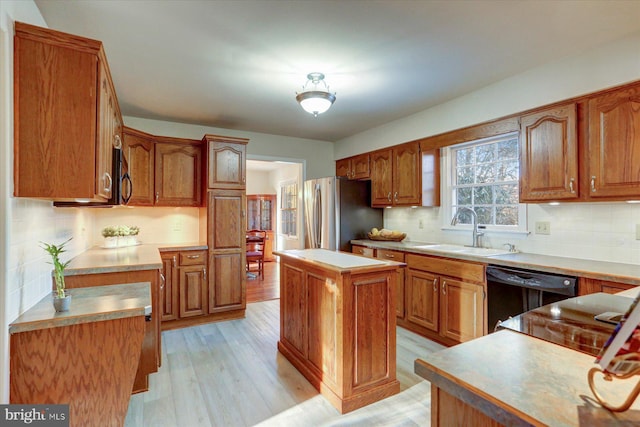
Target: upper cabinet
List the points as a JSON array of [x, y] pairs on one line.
[[396, 176], [66, 116], [226, 162], [549, 155], [614, 144], [178, 173], [138, 155], [356, 167], [163, 171], [586, 150]]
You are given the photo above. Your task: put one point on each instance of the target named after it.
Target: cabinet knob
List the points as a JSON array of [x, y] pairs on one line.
[[389, 196], [108, 182], [173, 259], [435, 285], [157, 196], [571, 189], [395, 196], [593, 184], [444, 287]]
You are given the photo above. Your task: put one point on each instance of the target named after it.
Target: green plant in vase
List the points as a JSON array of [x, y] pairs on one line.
[[58, 273]]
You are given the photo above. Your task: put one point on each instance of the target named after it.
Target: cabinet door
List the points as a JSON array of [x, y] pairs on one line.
[[178, 179], [226, 225], [422, 290], [56, 105], [363, 250], [549, 155], [138, 155], [407, 190], [381, 178], [343, 168], [227, 165], [169, 289], [461, 310], [360, 167], [106, 137], [399, 257], [193, 291], [614, 144]]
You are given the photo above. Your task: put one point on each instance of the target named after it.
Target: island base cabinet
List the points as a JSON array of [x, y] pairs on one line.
[[338, 330]]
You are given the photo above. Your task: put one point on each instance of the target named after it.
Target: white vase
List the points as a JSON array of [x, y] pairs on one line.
[[110, 242]]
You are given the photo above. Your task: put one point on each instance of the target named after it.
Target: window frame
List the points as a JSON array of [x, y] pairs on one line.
[[447, 200], [285, 197]]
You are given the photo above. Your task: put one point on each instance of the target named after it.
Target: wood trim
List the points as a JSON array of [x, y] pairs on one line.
[[58, 38], [471, 133]]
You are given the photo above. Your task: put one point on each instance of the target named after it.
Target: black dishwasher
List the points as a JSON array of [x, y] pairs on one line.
[[513, 291]]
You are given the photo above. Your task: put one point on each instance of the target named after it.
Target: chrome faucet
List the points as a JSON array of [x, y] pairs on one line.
[[474, 216]]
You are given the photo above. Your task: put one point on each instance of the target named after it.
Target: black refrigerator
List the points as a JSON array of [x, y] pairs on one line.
[[337, 210]]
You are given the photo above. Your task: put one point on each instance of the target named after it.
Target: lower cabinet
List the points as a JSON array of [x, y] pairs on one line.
[[400, 286], [589, 286], [445, 298], [150, 358]]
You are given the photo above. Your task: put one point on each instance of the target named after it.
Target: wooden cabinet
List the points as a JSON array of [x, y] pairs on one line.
[[356, 167], [138, 162], [363, 250], [227, 242], [423, 291], [445, 298], [338, 329], [614, 144], [66, 117], [150, 358], [192, 272], [178, 174], [549, 155], [226, 162], [164, 171], [396, 176], [261, 215], [398, 256], [169, 286], [589, 286]]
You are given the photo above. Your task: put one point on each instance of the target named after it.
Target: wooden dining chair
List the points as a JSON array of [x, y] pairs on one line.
[[255, 249]]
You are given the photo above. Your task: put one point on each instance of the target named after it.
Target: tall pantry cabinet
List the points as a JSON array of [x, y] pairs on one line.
[[226, 218]]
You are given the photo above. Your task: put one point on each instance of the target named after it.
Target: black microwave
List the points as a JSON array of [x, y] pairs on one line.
[[122, 186]]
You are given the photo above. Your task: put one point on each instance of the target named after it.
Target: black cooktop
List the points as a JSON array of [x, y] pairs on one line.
[[570, 323]]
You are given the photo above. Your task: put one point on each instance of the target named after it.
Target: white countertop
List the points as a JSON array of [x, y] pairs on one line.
[[334, 258]]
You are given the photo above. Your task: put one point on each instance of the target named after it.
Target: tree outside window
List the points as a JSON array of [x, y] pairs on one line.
[[289, 208]]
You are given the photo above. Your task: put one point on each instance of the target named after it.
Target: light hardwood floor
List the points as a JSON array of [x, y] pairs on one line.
[[231, 374]]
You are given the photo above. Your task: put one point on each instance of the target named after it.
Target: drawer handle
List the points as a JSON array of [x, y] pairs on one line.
[[444, 287], [163, 281], [435, 285], [593, 184], [193, 256], [390, 255], [174, 261], [571, 189]]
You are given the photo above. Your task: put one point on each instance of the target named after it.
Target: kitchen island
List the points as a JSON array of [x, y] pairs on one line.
[[508, 378], [338, 324]]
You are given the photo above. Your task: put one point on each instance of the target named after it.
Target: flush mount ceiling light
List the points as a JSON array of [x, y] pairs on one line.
[[315, 97]]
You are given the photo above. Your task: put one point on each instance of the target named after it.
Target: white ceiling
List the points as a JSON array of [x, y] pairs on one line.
[[237, 64]]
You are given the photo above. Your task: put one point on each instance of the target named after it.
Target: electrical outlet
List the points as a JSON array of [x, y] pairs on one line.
[[543, 227], [421, 223]]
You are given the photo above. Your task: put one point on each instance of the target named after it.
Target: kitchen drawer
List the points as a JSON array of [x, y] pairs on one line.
[[362, 250], [448, 267], [193, 258], [390, 255]]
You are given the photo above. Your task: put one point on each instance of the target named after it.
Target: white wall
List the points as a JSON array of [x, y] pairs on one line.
[[600, 231], [258, 182], [318, 154], [25, 275], [157, 224]]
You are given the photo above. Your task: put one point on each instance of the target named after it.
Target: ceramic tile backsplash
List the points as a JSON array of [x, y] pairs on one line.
[[157, 224], [29, 271], [599, 231]]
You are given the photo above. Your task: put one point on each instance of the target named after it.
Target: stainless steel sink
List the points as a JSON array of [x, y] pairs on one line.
[[459, 249]]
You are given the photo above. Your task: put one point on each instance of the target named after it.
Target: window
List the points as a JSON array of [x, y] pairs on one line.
[[289, 208], [484, 178]]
